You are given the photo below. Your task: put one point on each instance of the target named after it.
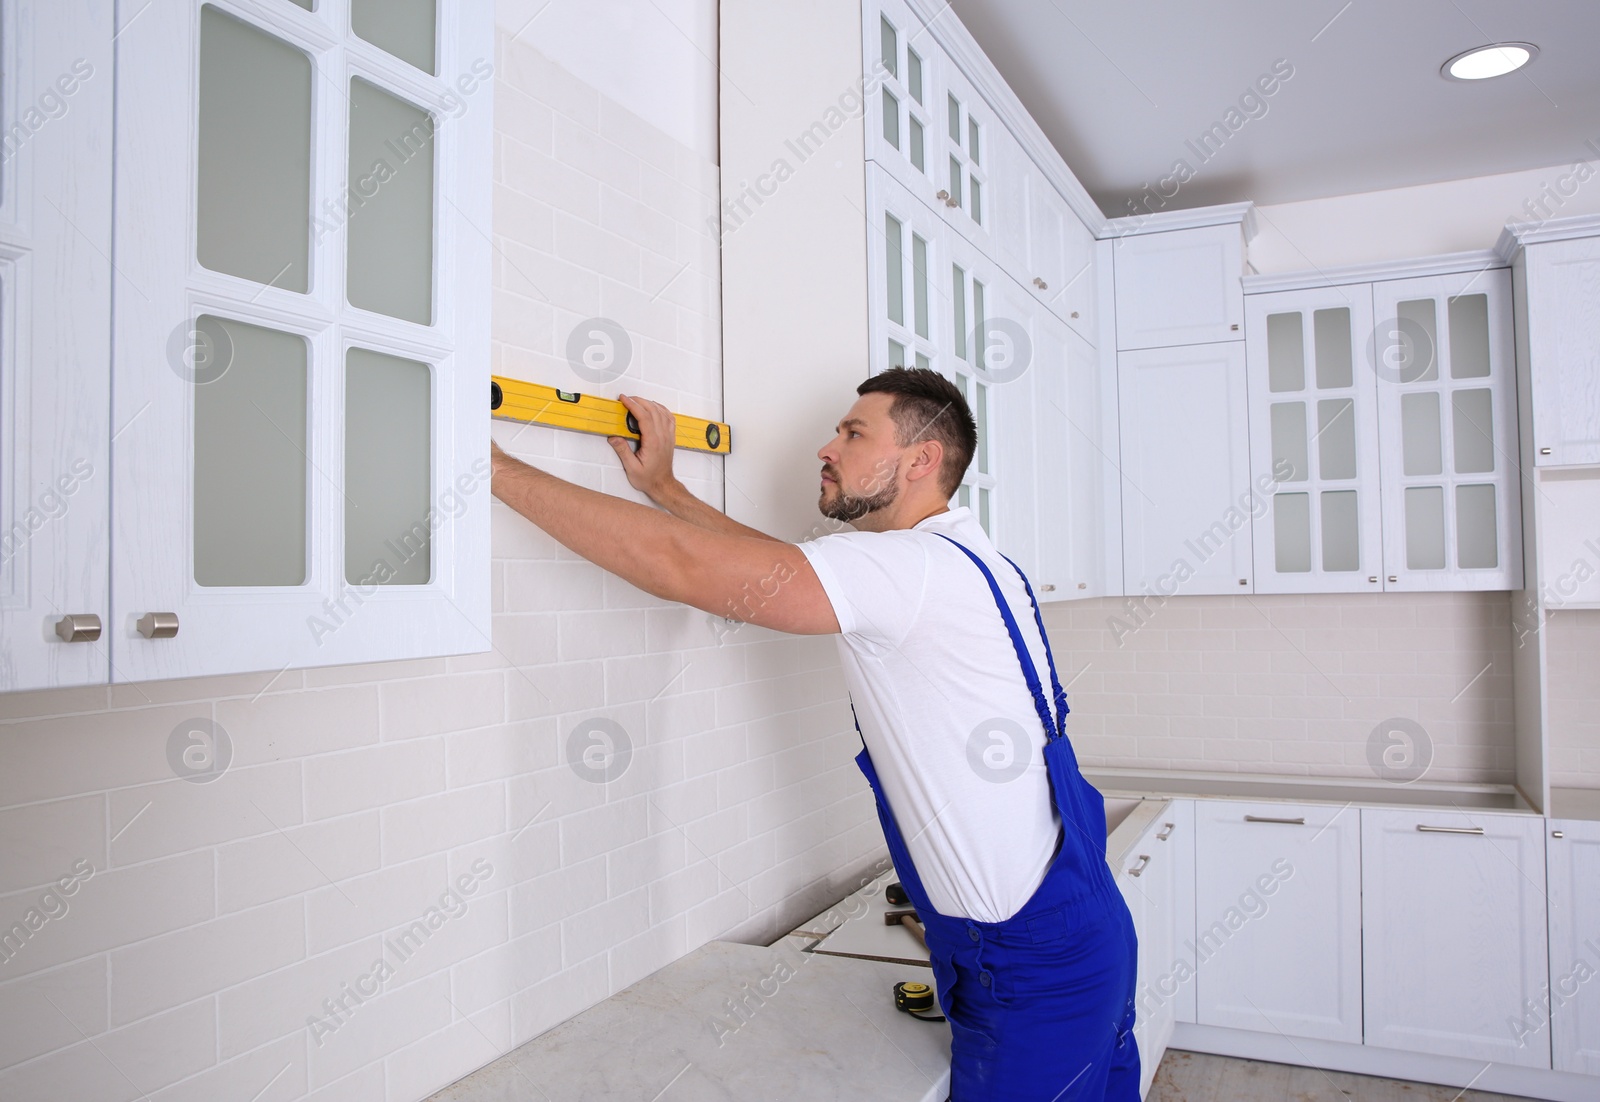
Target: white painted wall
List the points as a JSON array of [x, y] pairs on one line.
[[1454, 216]]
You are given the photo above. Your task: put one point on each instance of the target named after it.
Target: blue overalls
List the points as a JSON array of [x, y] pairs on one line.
[[1041, 1006]]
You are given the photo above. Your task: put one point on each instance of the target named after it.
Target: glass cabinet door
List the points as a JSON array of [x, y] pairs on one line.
[[1313, 442], [55, 319], [1443, 356], [902, 65], [300, 335]]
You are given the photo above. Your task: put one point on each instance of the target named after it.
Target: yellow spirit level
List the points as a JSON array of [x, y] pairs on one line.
[[514, 400]]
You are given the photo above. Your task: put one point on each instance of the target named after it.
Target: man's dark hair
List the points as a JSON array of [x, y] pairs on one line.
[[928, 406]]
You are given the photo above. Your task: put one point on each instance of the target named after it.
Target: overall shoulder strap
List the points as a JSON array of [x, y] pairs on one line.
[[1052, 726], [1049, 654]]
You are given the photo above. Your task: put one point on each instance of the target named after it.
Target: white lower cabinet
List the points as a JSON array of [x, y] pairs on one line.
[[1573, 998], [1186, 493], [1157, 881], [1453, 933], [1278, 919]]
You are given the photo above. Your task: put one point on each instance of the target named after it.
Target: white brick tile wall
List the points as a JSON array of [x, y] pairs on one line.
[[54, 1009], [1573, 646]]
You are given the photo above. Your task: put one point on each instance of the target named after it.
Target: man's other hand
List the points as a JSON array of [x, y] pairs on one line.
[[649, 467]]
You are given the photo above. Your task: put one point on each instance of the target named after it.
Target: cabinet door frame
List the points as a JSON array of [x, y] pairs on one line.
[[55, 369], [1505, 478], [1237, 847], [1152, 557], [1563, 292], [1574, 919], [1449, 895], [1368, 577], [1179, 287], [914, 35], [162, 288]]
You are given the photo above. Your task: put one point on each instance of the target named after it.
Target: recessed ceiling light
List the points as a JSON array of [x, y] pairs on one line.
[[1494, 60]]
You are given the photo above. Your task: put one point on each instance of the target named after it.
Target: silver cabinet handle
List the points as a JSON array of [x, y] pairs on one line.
[[1083, 585], [1234, 327], [1372, 577], [1449, 830], [1394, 577], [1297, 822], [158, 625], [78, 627], [1039, 283], [1047, 587], [1166, 832], [1544, 451], [942, 195], [1558, 834], [1074, 313], [1144, 862]]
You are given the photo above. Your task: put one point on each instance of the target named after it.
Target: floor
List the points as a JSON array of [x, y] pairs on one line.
[[1193, 1077]]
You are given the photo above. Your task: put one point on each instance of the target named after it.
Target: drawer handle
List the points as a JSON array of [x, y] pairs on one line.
[[1166, 832], [1544, 451], [1449, 830], [1297, 822], [1144, 862]]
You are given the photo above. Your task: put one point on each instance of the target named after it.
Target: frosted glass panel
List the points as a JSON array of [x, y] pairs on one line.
[[1425, 527], [923, 362], [1286, 357], [981, 415], [955, 181], [964, 496], [1474, 431], [391, 200], [972, 140], [1341, 531], [897, 354], [913, 74], [891, 119], [1331, 336], [889, 46], [306, 4], [894, 269], [1469, 337], [980, 344], [953, 106], [958, 303], [983, 512], [1289, 440], [253, 211], [403, 28], [250, 458], [1291, 532], [1419, 431], [1417, 350], [1336, 438], [1476, 544], [916, 146], [919, 284], [388, 416], [977, 200]]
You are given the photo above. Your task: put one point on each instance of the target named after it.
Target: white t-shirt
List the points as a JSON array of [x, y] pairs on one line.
[[944, 709]]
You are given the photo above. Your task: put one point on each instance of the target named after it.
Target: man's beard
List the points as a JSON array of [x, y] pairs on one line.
[[850, 507]]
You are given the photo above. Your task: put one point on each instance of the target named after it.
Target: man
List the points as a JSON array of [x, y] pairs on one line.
[[996, 836]]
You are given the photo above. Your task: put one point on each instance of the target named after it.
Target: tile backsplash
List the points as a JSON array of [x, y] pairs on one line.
[[1573, 642]]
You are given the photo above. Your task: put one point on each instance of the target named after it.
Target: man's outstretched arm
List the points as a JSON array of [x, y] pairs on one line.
[[757, 580], [649, 470]]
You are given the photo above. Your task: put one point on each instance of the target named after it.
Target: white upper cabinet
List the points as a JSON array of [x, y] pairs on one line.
[[965, 161], [904, 63], [1278, 918], [1314, 441], [1563, 301], [1454, 937], [1186, 493], [1447, 420], [1573, 851], [300, 334], [1179, 286], [55, 322]]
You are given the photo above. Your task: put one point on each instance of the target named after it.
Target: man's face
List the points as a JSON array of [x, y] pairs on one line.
[[861, 464]]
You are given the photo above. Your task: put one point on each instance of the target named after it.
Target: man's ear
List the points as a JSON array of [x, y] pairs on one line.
[[927, 458]]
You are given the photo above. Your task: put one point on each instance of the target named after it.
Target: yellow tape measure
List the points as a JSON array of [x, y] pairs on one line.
[[514, 400]]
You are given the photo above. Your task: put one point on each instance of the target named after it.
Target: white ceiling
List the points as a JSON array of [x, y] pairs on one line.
[[1119, 88]]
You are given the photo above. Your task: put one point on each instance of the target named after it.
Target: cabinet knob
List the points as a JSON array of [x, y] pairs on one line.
[[1558, 834], [1544, 451], [1138, 870], [1047, 587], [78, 627], [1234, 327], [1372, 578], [1394, 577], [941, 194], [1083, 585], [158, 625], [1244, 581], [1074, 313], [1041, 284]]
